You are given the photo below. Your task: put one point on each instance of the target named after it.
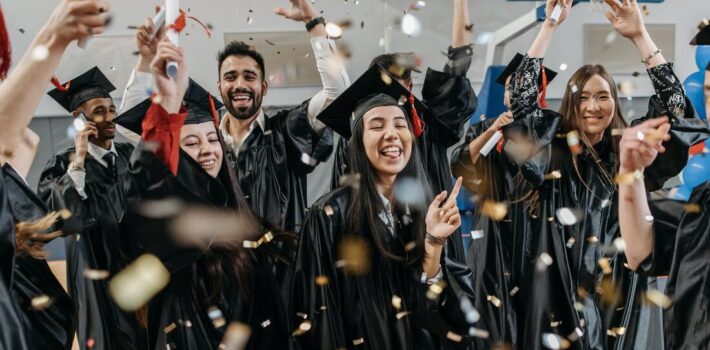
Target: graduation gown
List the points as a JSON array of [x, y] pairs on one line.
[[357, 312], [681, 242], [96, 247], [272, 165], [577, 285], [12, 333], [53, 327], [186, 298], [451, 101]]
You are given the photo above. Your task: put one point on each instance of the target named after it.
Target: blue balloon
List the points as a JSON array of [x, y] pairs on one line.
[[682, 193], [702, 56], [697, 171], [694, 89]]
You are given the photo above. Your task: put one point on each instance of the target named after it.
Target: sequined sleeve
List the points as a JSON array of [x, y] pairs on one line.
[[523, 89], [668, 88]]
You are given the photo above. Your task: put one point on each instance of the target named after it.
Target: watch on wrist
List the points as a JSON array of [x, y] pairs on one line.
[[314, 22], [438, 241]]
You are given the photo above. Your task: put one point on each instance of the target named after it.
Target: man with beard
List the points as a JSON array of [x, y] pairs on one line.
[[273, 154], [89, 180]]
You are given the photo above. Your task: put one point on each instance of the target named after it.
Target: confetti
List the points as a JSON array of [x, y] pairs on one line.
[[494, 210], [215, 314], [21, 30], [568, 216], [543, 262], [402, 314], [553, 175], [410, 246], [592, 239], [409, 191], [435, 290], [619, 244], [570, 242], [304, 327], [169, 328], [236, 337], [354, 255], [555, 324], [573, 142], [321, 280], [648, 218], [692, 208], [617, 331], [514, 291], [563, 67], [396, 302], [265, 323], [358, 341], [573, 88], [554, 341], [78, 124], [610, 294], [457, 338], [266, 238], [418, 5], [477, 234], [40, 53], [576, 334], [471, 314], [606, 203], [96, 275], [249, 20], [605, 265], [328, 210], [351, 180], [135, 285], [41, 302], [333, 30], [494, 300], [411, 25], [657, 298], [484, 38], [478, 333]]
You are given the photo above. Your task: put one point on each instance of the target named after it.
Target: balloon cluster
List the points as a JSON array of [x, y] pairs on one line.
[[696, 172], [694, 83]]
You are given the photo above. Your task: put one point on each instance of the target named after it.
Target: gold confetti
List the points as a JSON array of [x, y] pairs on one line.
[[410, 246], [592, 239], [266, 238], [215, 314], [135, 285], [494, 300], [617, 331], [692, 208], [402, 314], [568, 216], [354, 254], [321, 280], [494, 210], [236, 337], [553, 175], [304, 327], [328, 210], [514, 291], [41, 302], [578, 306], [96, 275], [657, 298], [555, 324], [457, 338], [64, 214], [554, 341], [386, 78], [169, 328], [396, 302], [435, 290], [610, 294], [358, 341], [351, 180], [605, 264]]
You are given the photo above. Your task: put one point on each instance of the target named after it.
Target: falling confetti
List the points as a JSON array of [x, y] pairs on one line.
[[484, 38], [477, 234], [396, 302], [478, 333], [494, 300], [605, 265], [333, 30], [553, 175], [514, 291], [554, 341], [96, 275], [563, 67], [40, 53], [21, 30], [495, 210], [657, 298], [576, 334], [402, 314], [249, 20], [411, 25], [321, 280], [543, 262], [570, 242], [354, 255], [139, 282], [408, 191], [236, 337], [304, 327], [568, 216], [628, 178], [215, 314], [573, 88], [573, 142], [418, 5], [457, 338], [692, 208], [350, 180], [471, 314], [328, 210], [435, 290], [41, 302]]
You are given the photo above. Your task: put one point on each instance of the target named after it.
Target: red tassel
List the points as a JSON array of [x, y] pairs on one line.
[[697, 148], [59, 86], [213, 109], [543, 92], [499, 145], [417, 123], [5, 49], [181, 23]]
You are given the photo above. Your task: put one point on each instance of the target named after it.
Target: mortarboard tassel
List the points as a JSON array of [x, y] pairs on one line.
[[543, 92], [417, 123], [181, 22], [59, 86], [213, 110], [5, 49], [697, 148]]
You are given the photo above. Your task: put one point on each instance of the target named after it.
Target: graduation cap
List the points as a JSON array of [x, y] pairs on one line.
[[91, 84], [374, 88], [703, 37], [200, 104], [513, 66]]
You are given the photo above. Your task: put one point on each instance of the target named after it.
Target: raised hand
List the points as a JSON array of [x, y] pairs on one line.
[[170, 91], [74, 20], [147, 44], [443, 219], [641, 144], [565, 4], [626, 18], [503, 119], [301, 10]]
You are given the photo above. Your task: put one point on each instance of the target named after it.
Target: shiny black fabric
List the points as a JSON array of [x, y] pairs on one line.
[[53, 327], [452, 101], [271, 169], [356, 312], [186, 298], [96, 247], [574, 291], [12, 333], [681, 250]]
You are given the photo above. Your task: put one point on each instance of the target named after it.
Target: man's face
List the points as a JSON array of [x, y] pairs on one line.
[[100, 111], [242, 86]]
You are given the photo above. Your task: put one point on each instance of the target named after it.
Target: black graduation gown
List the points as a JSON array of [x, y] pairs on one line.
[[451, 102], [681, 247], [186, 296], [499, 249], [585, 288], [53, 327], [356, 312], [12, 333], [96, 247], [272, 165]]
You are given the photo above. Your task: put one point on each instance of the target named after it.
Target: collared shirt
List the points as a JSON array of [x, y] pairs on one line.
[[388, 219], [236, 144], [78, 177]]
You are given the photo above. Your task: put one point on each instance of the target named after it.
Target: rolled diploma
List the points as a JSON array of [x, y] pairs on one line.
[[172, 11], [491, 143]]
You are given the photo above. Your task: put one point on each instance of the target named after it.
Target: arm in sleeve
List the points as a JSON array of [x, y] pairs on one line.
[[333, 76], [667, 215]]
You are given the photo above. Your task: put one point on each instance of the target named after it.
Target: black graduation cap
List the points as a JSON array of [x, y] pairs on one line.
[[513, 66], [374, 88], [196, 100], [703, 37], [91, 84]]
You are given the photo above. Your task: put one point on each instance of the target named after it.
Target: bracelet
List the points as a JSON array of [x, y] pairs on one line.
[[650, 57], [314, 22], [435, 240]]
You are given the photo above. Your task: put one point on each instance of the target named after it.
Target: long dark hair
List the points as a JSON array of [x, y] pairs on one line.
[[365, 202], [572, 120]]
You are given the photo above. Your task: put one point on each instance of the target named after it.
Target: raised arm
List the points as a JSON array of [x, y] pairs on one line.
[[21, 93], [460, 33], [334, 77]]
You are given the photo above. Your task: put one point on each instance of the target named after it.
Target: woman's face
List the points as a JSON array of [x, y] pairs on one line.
[[387, 140], [201, 142], [596, 107]]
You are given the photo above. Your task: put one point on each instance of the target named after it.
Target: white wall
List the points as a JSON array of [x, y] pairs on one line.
[[379, 18]]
